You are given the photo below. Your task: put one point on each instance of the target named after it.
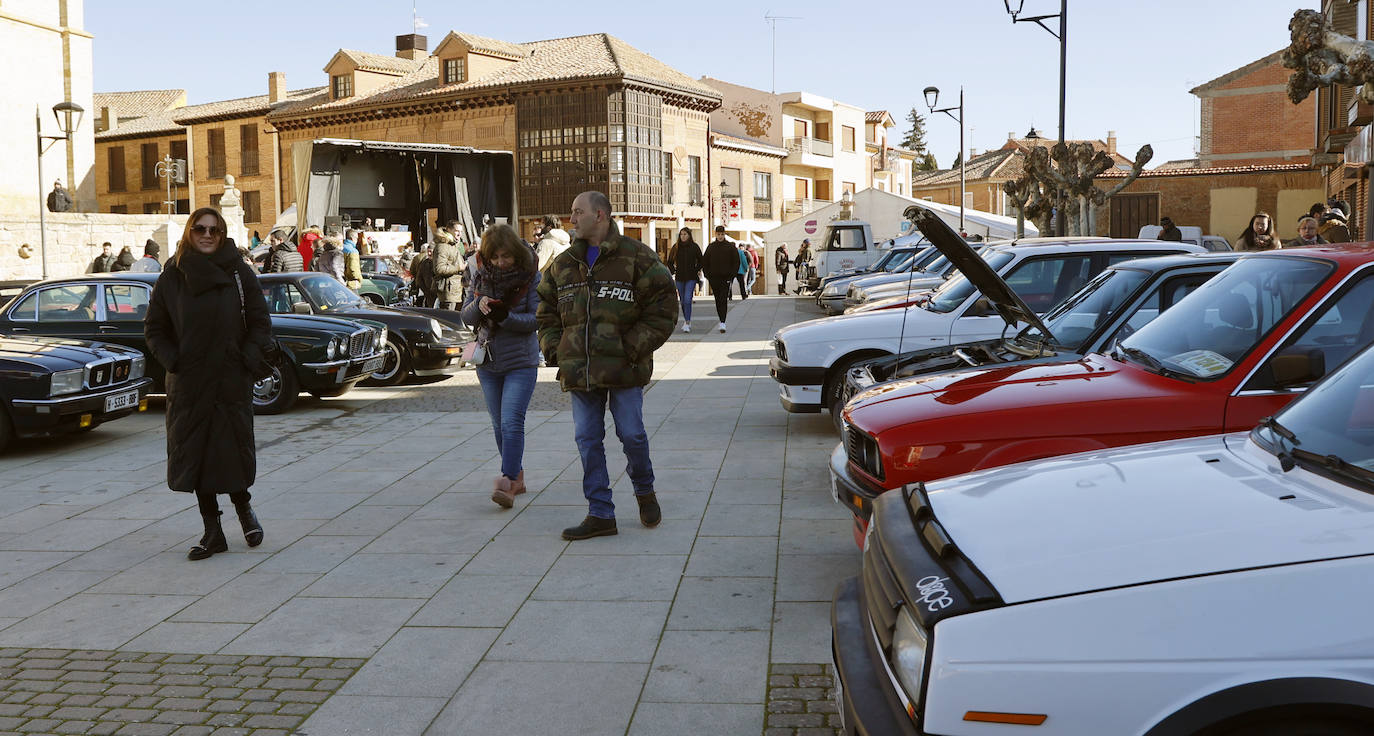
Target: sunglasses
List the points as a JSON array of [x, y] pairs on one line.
[[205, 229]]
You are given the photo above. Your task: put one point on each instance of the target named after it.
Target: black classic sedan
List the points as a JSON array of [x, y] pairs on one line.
[[51, 386], [324, 356], [419, 342]]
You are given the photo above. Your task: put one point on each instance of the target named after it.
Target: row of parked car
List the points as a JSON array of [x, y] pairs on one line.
[[1145, 507], [73, 354]]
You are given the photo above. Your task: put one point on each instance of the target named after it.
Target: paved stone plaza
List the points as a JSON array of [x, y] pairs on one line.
[[391, 596]]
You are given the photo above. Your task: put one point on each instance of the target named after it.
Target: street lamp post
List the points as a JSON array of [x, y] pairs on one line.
[[932, 97], [1063, 36], [63, 111]]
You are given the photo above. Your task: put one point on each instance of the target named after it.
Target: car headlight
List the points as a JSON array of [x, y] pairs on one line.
[[909, 654], [138, 368], [831, 290], [381, 338], [437, 328], [66, 382], [331, 348]]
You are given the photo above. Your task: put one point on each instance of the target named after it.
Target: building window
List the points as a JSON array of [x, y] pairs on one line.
[[248, 150], [114, 159], [694, 180], [252, 206], [730, 178], [183, 207], [562, 148], [178, 150], [848, 140], [215, 149], [119, 209], [148, 152], [668, 193], [636, 171], [455, 70], [763, 195], [343, 86], [152, 208]]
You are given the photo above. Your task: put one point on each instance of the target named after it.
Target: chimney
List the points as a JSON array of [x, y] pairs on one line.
[[1011, 135], [276, 86], [413, 46], [1111, 141], [106, 121]]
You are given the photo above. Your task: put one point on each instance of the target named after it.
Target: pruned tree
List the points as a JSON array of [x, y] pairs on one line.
[[1061, 179], [1320, 57]]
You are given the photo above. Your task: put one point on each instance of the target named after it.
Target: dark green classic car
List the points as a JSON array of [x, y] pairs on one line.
[[325, 356]]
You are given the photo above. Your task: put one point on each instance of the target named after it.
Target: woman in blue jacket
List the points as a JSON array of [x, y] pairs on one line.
[[500, 308]]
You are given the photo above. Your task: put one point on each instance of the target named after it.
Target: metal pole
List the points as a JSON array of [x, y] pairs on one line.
[[42, 204], [1063, 67], [962, 161]]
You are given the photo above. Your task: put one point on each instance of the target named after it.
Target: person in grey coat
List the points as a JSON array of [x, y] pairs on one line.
[[448, 270], [500, 308]]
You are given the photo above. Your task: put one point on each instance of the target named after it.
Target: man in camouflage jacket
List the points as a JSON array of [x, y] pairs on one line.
[[605, 305]]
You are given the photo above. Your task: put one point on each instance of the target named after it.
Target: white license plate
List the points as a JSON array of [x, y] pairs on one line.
[[374, 365], [835, 486], [839, 693], [121, 401]]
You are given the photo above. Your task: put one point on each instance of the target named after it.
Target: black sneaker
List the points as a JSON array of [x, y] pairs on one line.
[[590, 527], [649, 513]]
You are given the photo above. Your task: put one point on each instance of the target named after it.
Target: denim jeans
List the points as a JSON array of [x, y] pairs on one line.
[[508, 396], [589, 427], [685, 291]]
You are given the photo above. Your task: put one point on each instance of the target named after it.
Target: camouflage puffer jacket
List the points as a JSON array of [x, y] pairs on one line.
[[601, 325]]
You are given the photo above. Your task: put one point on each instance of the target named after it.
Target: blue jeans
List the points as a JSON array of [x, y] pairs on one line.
[[589, 427], [508, 396], [685, 291]]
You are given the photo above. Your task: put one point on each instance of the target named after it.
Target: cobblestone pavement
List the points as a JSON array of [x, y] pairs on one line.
[[801, 701], [385, 559]]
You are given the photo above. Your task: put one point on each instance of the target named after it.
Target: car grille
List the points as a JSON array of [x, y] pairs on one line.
[[882, 596], [122, 369], [362, 343], [863, 451], [99, 375], [780, 349]]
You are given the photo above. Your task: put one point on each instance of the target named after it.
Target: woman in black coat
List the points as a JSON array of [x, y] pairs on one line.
[[208, 326]]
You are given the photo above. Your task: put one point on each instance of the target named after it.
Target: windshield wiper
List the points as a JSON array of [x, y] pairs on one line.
[[1335, 465], [1284, 455], [1149, 361]]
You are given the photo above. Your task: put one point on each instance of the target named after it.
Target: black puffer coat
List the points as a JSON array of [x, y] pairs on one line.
[[211, 344]]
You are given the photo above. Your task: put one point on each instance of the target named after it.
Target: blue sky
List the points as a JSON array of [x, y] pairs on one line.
[[1130, 62]]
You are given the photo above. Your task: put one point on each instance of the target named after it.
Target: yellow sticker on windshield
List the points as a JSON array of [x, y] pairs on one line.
[[1202, 363]]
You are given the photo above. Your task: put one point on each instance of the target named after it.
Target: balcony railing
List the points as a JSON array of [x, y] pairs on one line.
[[763, 209], [797, 207], [694, 193], [809, 145]]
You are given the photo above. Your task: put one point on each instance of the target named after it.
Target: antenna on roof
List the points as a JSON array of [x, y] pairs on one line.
[[416, 21], [773, 21]]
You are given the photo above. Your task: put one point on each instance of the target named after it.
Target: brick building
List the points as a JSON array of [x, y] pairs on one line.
[[133, 130], [1343, 136], [1246, 118]]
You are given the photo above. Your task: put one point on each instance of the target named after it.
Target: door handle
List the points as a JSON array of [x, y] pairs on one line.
[[107, 328]]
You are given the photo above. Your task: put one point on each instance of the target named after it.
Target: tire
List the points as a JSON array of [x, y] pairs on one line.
[[397, 366], [1314, 726], [832, 395], [278, 392]]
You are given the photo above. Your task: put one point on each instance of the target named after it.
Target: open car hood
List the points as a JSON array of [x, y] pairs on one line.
[[975, 269]]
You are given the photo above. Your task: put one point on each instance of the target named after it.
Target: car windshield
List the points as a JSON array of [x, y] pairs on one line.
[[328, 294], [381, 265], [1211, 329], [953, 292], [1331, 428], [1074, 320], [926, 257]]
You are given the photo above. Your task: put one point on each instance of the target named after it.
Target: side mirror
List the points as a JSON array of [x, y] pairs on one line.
[[1293, 369], [301, 308], [980, 308]]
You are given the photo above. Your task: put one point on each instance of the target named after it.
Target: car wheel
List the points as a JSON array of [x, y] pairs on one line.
[[832, 395], [375, 299], [276, 393], [396, 367]]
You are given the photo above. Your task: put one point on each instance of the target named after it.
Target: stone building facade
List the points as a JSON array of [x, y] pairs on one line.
[[47, 58]]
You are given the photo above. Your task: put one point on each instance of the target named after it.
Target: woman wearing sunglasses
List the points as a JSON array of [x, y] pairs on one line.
[[207, 324]]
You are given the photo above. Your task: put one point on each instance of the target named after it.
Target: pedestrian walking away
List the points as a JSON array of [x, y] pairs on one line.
[[149, 262], [553, 239], [309, 242], [782, 264], [720, 264], [124, 261], [448, 268], [500, 308], [684, 262], [605, 305], [105, 262], [329, 257], [753, 274], [1259, 234], [352, 261], [208, 326], [742, 274]]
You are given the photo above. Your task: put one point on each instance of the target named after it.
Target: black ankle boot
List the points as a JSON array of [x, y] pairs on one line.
[[590, 527], [252, 530], [213, 541]]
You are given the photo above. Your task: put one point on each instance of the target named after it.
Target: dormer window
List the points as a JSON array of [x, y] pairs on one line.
[[342, 85], [454, 70]]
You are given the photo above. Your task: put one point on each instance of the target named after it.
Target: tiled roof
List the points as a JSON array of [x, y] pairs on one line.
[[580, 57], [139, 103], [379, 62], [875, 116], [160, 123], [1176, 164], [727, 140], [489, 45], [1250, 169], [999, 164], [241, 107]]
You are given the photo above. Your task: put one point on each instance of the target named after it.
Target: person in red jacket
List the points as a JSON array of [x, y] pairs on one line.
[[307, 245]]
